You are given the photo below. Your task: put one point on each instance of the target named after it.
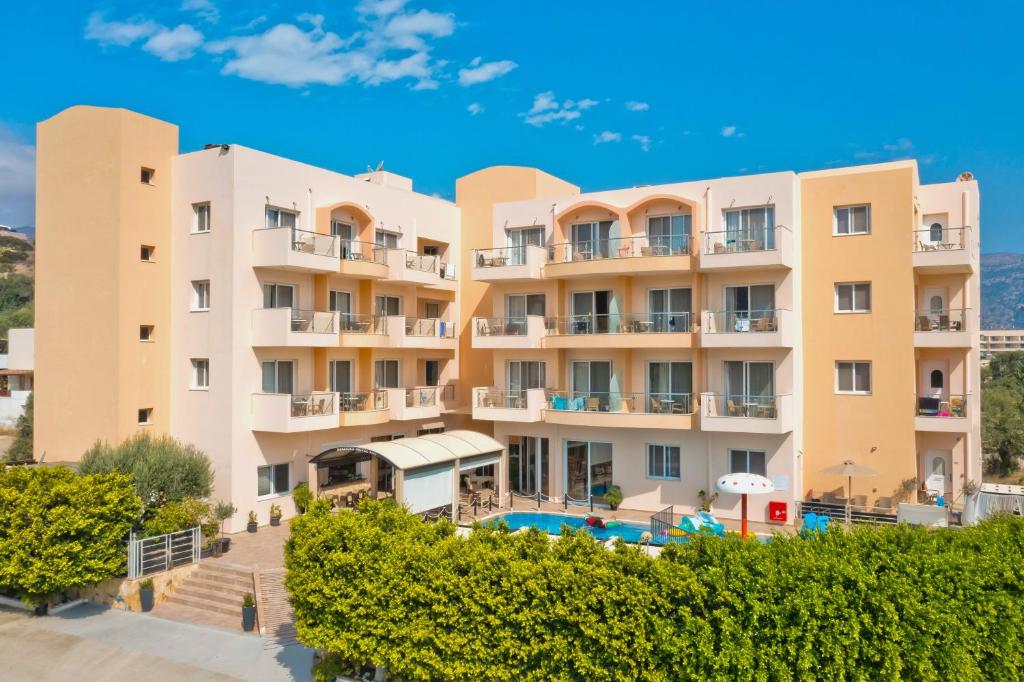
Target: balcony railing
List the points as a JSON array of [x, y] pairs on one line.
[[500, 257], [316, 404], [448, 393], [423, 263], [620, 247], [430, 327], [620, 323], [314, 243], [313, 322], [741, 241], [946, 239], [738, 405], [352, 323], [954, 405], [363, 402], [496, 398], [622, 403], [944, 320], [421, 396], [500, 326], [351, 250], [741, 321]]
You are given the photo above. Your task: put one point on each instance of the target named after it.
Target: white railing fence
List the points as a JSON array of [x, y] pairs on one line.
[[163, 552]]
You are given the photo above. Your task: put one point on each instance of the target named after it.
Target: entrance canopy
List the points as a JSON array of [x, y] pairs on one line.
[[422, 451]]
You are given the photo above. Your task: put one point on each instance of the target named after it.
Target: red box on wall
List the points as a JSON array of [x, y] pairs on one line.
[[778, 512]]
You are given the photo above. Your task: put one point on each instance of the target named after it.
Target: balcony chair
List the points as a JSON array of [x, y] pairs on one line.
[[721, 248], [657, 407], [734, 409], [944, 323], [927, 406], [956, 407], [593, 404], [761, 324], [924, 323]]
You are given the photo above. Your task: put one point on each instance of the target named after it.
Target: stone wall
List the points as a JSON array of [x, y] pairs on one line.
[[124, 593]]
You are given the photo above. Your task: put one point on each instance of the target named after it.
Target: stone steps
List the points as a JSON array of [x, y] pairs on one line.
[[277, 621], [189, 614], [214, 592]]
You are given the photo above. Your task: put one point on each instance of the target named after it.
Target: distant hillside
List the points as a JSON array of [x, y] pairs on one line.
[[1002, 291]]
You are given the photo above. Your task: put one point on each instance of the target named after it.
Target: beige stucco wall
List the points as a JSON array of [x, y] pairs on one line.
[[92, 289]]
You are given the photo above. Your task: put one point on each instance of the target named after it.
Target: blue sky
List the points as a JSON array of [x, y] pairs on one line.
[[603, 94]]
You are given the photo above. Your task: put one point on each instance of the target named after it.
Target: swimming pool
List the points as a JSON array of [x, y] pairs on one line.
[[552, 524]]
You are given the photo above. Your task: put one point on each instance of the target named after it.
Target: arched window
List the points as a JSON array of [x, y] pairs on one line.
[[936, 378], [935, 305], [939, 466], [935, 232]]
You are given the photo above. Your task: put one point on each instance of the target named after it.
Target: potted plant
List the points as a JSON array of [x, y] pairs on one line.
[[707, 500], [302, 496], [613, 497], [248, 613], [275, 515], [222, 511], [252, 525], [146, 595]]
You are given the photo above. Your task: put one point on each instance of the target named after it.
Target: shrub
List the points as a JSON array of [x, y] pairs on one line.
[[248, 600], [21, 448], [182, 515], [380, 587], [62, 531], [275, 511], [222, 511], [302, 496], [163, 468]]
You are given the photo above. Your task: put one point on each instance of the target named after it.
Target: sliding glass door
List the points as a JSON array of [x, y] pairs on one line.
[[669, 235], [522, 376], [528, 461], [750, 308], [590, 240], [517, 307], [590, 312], [750, 388], [590, 384], [588, 471], [519, 239], [669, 309], [669, 387], [751, 229]]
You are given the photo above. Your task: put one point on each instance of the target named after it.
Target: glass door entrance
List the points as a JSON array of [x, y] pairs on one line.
[[669, 387], [591, 385], [750, 388], [669, 309], [528, 465], [588, 471], [750, 308], [590, 312]]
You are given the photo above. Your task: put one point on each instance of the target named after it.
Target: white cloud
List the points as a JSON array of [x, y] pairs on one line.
[[379, 8], [408, 31], [480, 72], [120, 33], [17, 179], [901, 145], [475, 108], [637, 106], [174, 44], [643, 140], [205, 9], [547, 109], [607, 136], [728, 131]]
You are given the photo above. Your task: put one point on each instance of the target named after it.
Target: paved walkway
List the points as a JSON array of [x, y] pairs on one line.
[[261, 550], [91, 642]]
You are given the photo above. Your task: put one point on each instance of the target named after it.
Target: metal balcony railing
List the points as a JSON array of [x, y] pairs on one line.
[[622, 403], [741, 321], [352, 323], [741, 240], [315, 404], [944, 239], [304, 241], [500, 326], [951, 405], [620, 247], [352, 250], [313, 321], [421, 396], [739, 405], [428, 327], [941, 320], [363, 402], [499, 257], [620, 323]]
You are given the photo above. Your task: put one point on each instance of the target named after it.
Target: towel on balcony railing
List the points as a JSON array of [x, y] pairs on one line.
[[558, 402], [442, 326]]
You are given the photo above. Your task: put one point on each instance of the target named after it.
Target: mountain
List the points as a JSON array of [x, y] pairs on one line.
[[1002, 291]]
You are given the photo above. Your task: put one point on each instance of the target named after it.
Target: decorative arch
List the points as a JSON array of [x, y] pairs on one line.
[[364, 219], [561, 233], [634, 210]]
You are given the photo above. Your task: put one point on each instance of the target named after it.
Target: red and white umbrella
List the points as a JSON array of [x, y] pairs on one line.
[[743, 485]]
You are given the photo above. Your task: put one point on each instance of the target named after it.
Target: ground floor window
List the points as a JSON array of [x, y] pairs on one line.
[[588, 470], [663, 461], [273, 479], [748, 462]]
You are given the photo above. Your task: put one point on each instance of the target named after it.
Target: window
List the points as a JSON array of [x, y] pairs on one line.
[[432, 311], [852, 220], [274, 479], [663, 461], [278, 296], [669, 234], [146, 175], [200, 294], [387, 305], [279, 217], [201, 217], [755, 226], [385, 374], [145, 332], [518, 306], [145, 416], [590, 240], [343, 230], [748, 462], [431, 372], [388, 240], [146, 253], [200, 374], [386, 437], [519, 238], [278, 376], [853, 377], [853, 298], [936, 379], [341, 376], [425, 432]]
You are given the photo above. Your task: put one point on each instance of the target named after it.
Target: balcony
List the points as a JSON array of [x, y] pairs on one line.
[[747, 329], [769, 247], [363, 409], [427, 332], [746, 413], [292, 327], [639, 254], [285, 413], [945, 328], [362, 260], [509, 264], [420, 402], [621, 330], [293, 249], [625, 410], [942, 414], [494, 404], [945, 251], [508, 332], [414, 268], [364, 331]]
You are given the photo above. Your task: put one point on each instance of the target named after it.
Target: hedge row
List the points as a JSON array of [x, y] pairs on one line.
[[380, 587]]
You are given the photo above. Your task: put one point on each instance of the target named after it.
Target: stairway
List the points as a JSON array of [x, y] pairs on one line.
[[212, 595], [277, 621]]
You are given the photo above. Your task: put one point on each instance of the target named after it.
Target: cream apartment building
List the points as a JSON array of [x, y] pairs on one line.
[[653, 338], [1001, 341]]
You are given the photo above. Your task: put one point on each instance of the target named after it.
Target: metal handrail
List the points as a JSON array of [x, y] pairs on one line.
[[497, 398], [501, 256], [421, 396], [618, 402], [635, 246], [941, 320], [741, 321], [429, 326], [315, 404], [368, 401], [353, 250], [501, 326], [742, 240], [312, 321], [740, 405], [421, 262], [620, 323], [952, 239], [305, 241], [947, 405], [353, 323]]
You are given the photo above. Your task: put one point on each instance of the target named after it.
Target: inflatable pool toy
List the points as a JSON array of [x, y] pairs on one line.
[[612, 523], [676, 533], [594, 522]]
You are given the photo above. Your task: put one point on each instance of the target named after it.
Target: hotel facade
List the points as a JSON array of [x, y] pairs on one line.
[[651, 338]]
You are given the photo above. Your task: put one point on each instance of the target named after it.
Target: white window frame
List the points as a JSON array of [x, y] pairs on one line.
[[383, 362], [290, 211], [853, 377], [200, 374], [749, 452], [848, 208], [273, 481], [198, 209], [853, 297], [666, 453], [381, 232], [351, 375], [273, 288], [199, 286]]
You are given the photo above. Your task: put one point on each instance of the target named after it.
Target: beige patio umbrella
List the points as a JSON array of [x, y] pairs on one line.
[[849, 469]]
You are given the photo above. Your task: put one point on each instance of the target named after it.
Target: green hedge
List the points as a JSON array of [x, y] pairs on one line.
[[380, 587]]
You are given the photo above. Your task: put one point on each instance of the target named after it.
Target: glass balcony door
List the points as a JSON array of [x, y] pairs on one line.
[[669, 309], [528, 460], [751, 226], [387, 305], [278, 296], [590, 312], [669, 234], [588, 471], [523, 375], [519, 239], [590, 384], [386, 374], [749, 306], [749, 385], [341, 376], [278, 376], [669, 386], [518, 306], [590, 240]]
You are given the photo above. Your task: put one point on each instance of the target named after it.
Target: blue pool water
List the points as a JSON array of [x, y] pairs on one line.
[[552, 524]]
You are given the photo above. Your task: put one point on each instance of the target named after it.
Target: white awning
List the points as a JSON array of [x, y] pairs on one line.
[[431, 449]]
